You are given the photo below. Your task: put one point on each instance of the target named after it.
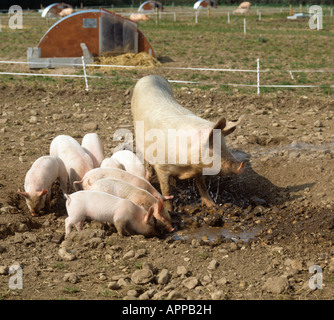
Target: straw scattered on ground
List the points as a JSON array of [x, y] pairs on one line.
[[141, 59]]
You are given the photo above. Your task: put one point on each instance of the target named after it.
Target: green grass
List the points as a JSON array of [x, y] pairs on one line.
[[71, 290], [280, 45], [107, 293]]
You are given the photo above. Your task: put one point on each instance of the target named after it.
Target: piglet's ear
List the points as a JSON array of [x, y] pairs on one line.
[[160, 204], [167, 197], [23, 194], [42, 193], [149, 214]]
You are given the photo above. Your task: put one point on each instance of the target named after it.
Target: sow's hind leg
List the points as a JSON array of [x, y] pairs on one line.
[[206, 199]]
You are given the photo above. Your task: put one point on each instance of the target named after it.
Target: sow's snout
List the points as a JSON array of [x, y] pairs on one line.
[[232, 167]]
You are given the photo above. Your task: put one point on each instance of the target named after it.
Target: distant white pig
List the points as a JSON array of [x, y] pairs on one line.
[[139, 17], [93, 145], [76, 160], [139, 196], [131, 163], [38, 182], [126, 216], [66, 12]]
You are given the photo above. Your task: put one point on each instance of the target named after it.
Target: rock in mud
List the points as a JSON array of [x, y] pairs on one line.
[[191, 282], [276, 285], [85, 235], [218, 295], [147, 294], [33, 120], [163, 276], [71, 277], [4, 270], [90, 126], [318, 124], [213, 220], [140, 253], [8, 209], [65, 254], [181, 270], [160, 295], [174, 294], [213, 265], [123, 282], [130, 254], [113, 285], [132, 293], [294, 264], [142, 276]]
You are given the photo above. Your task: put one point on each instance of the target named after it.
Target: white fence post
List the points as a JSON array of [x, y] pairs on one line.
[[228, 18], [244, 25], [84, 70], [258, 76]]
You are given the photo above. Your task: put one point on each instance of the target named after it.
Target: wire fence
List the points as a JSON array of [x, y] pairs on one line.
[[256, 85]]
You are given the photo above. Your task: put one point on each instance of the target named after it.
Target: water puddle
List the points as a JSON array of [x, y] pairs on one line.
[[237, 206]]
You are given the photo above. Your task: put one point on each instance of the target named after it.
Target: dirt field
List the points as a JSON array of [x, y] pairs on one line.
[[269, 227], [273, 222]]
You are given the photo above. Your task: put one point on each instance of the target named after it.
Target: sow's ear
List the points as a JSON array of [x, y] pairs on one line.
[[226, 127], [231, 126], [219, 125]]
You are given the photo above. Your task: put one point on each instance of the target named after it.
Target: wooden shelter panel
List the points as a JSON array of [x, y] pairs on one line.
[[63, 40], [144, 45]]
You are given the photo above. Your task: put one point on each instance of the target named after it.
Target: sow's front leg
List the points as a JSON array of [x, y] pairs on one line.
[[206, 199], [163, 178]]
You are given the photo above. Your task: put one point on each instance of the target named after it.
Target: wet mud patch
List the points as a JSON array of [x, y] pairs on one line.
[[249, 207], [255, 223], [217, 235]]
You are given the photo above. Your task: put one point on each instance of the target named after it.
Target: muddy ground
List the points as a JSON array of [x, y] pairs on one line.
[[269, 227]]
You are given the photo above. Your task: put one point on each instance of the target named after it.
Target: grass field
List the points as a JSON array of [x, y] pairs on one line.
[[212, 42]]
